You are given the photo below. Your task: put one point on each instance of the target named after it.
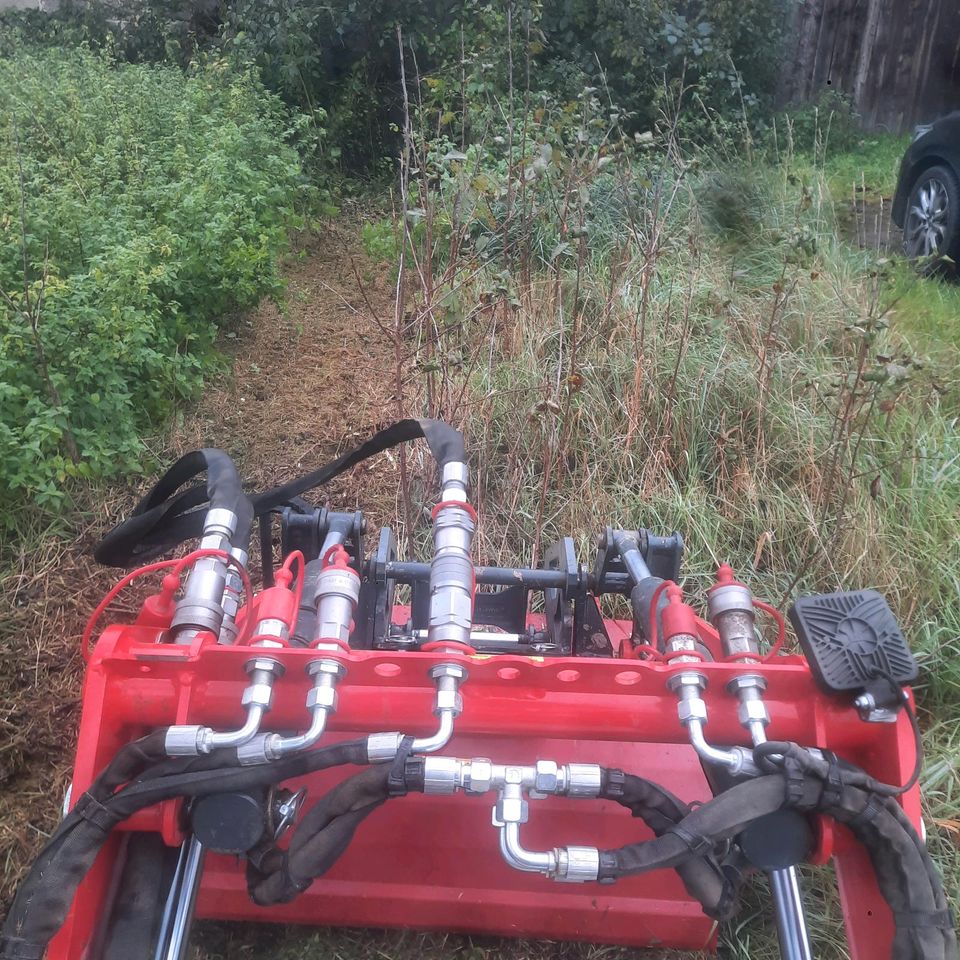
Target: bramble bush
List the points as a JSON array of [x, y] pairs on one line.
[[140, 206]]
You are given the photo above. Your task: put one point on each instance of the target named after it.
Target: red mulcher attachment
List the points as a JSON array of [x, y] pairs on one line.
[[233, 759]]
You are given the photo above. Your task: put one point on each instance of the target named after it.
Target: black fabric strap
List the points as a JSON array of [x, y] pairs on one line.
[[16, 948], [699, 844], [934, 919], [95, 813], [397, 779], [166, 518]]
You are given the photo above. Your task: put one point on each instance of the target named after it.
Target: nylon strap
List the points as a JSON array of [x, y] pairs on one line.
[[166, 518]]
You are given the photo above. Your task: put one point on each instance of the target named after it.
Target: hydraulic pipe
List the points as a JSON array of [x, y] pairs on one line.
[[530, 861]]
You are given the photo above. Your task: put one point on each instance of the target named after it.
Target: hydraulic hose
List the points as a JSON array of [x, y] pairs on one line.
[[44, 898]]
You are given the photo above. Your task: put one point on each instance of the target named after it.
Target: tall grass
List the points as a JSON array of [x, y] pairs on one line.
[[704, 353]]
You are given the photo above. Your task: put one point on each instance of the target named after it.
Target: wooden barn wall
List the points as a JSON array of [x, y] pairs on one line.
[[898, 59]]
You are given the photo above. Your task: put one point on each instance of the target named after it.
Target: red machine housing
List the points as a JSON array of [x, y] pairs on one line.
[[432, 862]]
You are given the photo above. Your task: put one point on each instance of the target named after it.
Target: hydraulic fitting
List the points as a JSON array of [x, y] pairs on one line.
[[231, 598], [336, 596], [479, 775], [321, 702], [731, 611], [200, 609], [448, 705], [692, 713], [679, 622], [567, 864], [191, 740], [452, 578]]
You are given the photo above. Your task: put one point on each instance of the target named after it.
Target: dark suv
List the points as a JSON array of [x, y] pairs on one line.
[[927, 201]]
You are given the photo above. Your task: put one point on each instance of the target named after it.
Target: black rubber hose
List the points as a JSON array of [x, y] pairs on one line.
[[275, 876], [660, 810], [721, 818], [44, 897]]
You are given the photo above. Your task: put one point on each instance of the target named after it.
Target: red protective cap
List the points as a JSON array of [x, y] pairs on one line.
[[678, 618], [725, 577]]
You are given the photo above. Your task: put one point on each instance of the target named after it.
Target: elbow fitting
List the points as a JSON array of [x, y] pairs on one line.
[[191, 740], [321, 702], [448, 705], [566, 864]]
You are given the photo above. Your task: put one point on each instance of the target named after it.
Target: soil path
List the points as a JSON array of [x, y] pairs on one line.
[[304, 382]]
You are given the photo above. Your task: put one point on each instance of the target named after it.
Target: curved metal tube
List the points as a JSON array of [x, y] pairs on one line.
[[710, 753], [278, 746], [438, 740], [529, 861], [213, 740]]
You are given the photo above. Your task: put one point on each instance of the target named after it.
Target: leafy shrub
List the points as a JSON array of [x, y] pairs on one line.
[[141, 205]]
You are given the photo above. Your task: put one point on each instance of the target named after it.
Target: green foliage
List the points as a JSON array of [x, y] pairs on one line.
[[141, 207], [726, 53]]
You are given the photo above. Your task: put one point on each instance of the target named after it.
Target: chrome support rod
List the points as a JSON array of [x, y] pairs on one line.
[[181, 902]]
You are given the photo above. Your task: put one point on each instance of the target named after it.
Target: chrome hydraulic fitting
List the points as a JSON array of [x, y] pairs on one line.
[[752, 712], [566, 864], [447, 705], [231, 598], [731, 611], [321, 703], [191, 740], [200, 608], [336, 596], [451, 570], [479, 775], [692, 713]]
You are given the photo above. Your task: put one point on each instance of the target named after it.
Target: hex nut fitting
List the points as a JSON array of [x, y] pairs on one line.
[[455, 670], [689, 678], [510, 810], [258, 694], [267, 664], [325, 697], [480, 776], [747, 681], [692, 709], [546, 778], [751, 711], [448, 701], [332, 668]]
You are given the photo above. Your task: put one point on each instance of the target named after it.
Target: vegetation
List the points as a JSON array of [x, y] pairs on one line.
[[625, 276], [141, 206]]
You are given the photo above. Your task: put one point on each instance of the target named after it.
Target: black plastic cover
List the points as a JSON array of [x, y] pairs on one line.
[[851, 638]]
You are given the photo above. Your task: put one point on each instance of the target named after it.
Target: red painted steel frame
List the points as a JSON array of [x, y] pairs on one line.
[[434, 862]]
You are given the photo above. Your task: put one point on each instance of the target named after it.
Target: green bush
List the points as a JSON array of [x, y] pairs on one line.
[[139, 206]]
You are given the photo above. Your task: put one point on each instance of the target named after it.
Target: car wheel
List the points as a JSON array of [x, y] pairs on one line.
[[931, 227]]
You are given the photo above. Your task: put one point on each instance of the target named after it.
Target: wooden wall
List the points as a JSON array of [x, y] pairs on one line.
[[898, 59]]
